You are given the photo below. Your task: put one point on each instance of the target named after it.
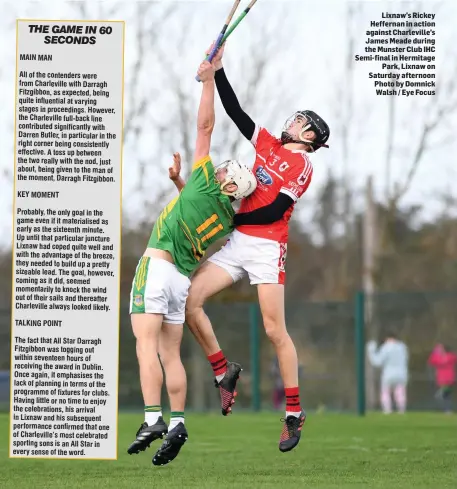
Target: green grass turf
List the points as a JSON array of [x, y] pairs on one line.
[[413, 451]]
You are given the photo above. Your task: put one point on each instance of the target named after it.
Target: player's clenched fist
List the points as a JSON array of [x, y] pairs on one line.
[[206, 71], [175, 169], [217, 60]]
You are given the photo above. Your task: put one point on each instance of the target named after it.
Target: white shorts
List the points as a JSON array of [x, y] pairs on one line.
[[391, 380], [159, 288], [263, 260]]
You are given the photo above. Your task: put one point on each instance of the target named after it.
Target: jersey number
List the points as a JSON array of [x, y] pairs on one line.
[[203, 228]]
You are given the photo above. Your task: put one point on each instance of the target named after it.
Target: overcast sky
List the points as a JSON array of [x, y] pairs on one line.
[[305, 70]]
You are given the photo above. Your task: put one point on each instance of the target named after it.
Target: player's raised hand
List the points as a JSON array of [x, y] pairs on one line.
[[206, 71], [217, 60], [175, 170]]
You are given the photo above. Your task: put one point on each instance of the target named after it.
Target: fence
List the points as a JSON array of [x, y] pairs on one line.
[[330, 340]]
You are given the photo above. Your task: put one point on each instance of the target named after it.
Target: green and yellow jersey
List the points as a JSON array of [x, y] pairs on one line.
[[194, 220]]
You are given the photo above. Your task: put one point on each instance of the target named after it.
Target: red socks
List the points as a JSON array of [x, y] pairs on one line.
[[292, 399], [218, 363]]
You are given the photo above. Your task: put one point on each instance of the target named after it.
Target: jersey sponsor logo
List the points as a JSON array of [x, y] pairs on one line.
[[263, 176]]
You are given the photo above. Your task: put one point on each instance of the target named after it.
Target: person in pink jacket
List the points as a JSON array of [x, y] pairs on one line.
[[444, 361]]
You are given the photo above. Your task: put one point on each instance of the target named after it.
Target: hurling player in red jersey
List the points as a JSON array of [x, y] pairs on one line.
[[257, 247]]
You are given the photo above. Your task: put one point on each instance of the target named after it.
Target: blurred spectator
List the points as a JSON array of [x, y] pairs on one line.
[[392, 358], [444, 361]]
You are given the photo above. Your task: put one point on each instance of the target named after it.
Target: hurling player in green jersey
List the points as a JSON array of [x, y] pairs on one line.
[[201, 214]]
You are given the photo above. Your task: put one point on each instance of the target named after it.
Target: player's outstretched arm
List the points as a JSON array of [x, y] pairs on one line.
[[229, 100], [206, 116], [174, 172]]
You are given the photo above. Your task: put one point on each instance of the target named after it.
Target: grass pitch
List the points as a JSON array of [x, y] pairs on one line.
[[413, 451]]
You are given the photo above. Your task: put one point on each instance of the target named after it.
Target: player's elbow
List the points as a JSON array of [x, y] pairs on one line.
[[205, 127]]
